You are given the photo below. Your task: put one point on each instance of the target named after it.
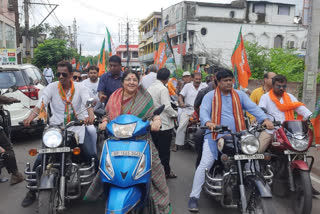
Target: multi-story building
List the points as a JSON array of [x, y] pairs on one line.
[[7, 24], [133, 53], [211, 29], [147, 28]]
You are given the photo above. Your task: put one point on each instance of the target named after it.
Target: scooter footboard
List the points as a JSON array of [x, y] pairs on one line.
[[122, 200]]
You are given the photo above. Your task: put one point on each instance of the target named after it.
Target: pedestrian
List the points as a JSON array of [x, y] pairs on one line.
[[84, 76], [48, 74], [162, 139], [186, 101], [93, 81], [76, 75], [110, 81], [221, 107], [150, 78], [186, 78]]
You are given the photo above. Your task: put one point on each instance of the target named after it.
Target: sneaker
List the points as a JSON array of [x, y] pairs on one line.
[[29, 199], [16, 178], [193, 205]]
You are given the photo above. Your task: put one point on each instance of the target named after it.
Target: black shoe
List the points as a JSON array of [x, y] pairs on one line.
[[315, 192], [193, 205], [29, 199]]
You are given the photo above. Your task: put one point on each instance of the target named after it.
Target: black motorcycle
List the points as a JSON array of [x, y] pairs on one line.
[[62, 174], [237, 179]]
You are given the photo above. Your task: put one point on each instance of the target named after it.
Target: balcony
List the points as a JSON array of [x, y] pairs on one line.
[[146, 58], [147, 35]]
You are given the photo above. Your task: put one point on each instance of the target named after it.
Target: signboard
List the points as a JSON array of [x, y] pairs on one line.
[[8, 57]]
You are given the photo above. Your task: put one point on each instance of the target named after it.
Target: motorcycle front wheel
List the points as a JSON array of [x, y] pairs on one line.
[[257, 204], [48, 201], [303, 192]]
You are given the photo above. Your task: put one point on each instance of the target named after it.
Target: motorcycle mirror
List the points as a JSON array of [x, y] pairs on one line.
[[159, 110], [90, 102]]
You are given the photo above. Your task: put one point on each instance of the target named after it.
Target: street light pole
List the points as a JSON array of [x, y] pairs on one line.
[[27, 36], [311, 71]]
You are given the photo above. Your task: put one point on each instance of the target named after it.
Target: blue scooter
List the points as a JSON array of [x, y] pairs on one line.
[[125, 164]]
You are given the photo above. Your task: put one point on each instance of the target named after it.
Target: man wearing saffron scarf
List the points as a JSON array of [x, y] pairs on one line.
[[67, 99], [222, 106]]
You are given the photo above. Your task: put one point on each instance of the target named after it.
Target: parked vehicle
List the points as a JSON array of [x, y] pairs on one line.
[[290, 162], [61, 175], [236, 179], [25, 83], [125, 164]]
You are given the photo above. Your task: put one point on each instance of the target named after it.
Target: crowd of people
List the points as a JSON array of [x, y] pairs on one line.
[[130, 92]]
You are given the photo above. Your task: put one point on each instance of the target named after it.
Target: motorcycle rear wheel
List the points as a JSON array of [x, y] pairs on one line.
[[48, 201], [303, 193]]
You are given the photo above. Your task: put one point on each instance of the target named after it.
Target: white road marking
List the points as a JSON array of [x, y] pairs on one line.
[[315, 178]]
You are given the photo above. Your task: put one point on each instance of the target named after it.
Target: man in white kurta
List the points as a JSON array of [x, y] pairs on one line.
[[48, 74]]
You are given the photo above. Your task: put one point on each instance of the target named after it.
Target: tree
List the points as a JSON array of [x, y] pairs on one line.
[[51, 52], [58, 32]]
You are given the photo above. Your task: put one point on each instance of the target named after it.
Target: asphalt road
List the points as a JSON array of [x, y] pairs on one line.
[[182, 163]]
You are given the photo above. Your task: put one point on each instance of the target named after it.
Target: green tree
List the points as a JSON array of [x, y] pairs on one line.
[[58, 32], [52, 51]]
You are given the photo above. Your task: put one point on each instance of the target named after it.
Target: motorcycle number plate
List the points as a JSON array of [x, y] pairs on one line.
[[289, 152], [126, 153], [249, 157], [54, 150]]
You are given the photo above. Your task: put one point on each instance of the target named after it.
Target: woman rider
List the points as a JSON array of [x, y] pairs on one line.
[[132, 99]]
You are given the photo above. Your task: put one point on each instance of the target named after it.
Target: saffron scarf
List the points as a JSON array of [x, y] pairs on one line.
[[69, 113], [287, 107], [236, 108], [140, 105]]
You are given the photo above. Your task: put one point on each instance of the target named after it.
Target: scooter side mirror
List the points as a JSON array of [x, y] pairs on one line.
[[159, 110]]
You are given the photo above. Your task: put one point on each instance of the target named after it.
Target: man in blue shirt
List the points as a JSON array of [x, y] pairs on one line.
[[227, 118], [110, 81]]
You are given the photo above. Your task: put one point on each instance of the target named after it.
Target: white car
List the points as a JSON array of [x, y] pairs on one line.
[[25, 83]]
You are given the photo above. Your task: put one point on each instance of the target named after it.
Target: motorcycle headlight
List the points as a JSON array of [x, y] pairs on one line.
[[52, 138], [141, 167], [123, 131], [249, 144], [299, 142]]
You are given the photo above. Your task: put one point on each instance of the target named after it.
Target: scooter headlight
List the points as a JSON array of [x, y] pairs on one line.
[[299, 142], [249, 144], [123, 131], [141, 167], [52, 138], [108, 166]]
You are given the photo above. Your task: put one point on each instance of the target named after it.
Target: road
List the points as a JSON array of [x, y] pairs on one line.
[[182, 163]]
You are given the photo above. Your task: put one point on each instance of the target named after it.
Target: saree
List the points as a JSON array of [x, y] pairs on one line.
[[140, 105]]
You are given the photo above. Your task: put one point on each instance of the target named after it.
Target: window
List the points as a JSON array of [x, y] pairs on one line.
[[1, 36], [135, 54], [278, 40], [259, 8], [124, 55], [290, 44], [39, 76], [283, 10], [203, 31], [31, 76], [10, 37]]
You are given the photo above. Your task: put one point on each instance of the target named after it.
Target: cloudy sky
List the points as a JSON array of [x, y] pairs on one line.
[[93, 16]]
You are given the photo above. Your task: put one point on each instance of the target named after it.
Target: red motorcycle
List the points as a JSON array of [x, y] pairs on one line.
[[290, 163]]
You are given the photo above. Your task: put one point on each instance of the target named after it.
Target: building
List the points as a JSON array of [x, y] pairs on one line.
[[147, 29], [121, 51], [210, 30], [7, 25]]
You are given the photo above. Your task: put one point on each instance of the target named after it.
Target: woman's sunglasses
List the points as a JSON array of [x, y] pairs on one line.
[[63, 74]]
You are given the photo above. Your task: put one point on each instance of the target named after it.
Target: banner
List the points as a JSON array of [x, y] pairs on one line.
[[8, 57]]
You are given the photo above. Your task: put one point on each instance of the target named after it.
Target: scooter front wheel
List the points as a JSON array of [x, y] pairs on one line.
[[303, 192]]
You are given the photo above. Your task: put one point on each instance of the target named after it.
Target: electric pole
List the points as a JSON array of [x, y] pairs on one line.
[[27, 36], [128, 54], [310, 74], [17, 25]]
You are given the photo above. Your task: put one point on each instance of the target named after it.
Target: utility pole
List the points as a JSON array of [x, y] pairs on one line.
[[310, 74], [128, 54], [75, 34], [17, 25], [27, 36], [80, 50]]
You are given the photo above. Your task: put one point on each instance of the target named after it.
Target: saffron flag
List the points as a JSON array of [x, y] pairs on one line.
[[198, 70], [73, 63], [112, 48], [88, 65], [315, 120], [42, 113], [78, 66], [102, 59], [240, 64], [161, 57]]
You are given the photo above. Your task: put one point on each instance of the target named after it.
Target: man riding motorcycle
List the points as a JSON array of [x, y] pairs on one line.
[[6, 149], [66, 99]]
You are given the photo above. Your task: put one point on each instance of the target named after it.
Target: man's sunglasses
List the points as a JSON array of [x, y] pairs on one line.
[[76, 77], [281, 86], [63, 74]]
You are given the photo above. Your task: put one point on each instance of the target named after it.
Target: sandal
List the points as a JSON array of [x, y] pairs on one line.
[[174, 148], [171, 175]]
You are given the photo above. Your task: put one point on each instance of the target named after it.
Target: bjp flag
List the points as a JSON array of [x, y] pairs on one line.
[[315, 120], [42, 113], [240, 64]]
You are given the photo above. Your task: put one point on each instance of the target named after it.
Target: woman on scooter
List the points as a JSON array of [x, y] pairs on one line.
[[132, 99]]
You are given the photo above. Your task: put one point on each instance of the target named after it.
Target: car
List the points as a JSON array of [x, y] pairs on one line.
[[24, 82]]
